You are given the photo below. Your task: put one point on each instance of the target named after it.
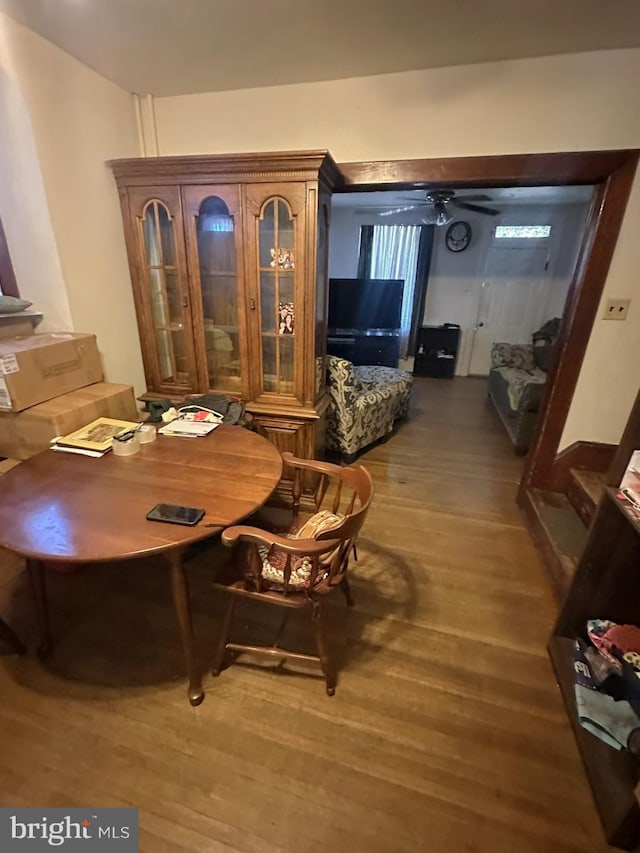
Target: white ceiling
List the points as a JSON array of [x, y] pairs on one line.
[[177, 47]]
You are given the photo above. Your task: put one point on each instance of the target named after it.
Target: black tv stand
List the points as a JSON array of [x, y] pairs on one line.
[[365, 346]]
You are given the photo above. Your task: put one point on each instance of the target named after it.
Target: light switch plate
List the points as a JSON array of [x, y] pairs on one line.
[[616, 309]]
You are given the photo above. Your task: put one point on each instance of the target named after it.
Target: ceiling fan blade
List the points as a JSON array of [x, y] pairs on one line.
[[490, 211], [475, 197], [381, 210], [392, 210]]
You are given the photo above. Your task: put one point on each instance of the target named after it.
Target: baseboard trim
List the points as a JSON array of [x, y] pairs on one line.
[[584, 455]]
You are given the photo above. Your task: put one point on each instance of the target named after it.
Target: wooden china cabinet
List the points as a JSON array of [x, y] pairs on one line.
[[228, 259]]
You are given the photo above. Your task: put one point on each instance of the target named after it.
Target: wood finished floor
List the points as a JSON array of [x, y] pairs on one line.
[[447, 731]]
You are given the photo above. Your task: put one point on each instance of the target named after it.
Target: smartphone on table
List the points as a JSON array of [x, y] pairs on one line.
[[173, 514]]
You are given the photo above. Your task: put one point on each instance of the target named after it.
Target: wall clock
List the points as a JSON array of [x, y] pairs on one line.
[[458, 236]]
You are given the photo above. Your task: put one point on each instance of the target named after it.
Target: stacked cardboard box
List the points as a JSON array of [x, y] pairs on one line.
[[51, 384]]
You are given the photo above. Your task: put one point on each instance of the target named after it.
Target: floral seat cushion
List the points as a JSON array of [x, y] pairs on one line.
[[274, 561], [518, 356]]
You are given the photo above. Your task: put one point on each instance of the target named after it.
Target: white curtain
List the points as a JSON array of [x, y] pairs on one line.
[[394, 254]]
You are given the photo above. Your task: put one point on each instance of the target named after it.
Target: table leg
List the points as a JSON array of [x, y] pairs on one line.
[[8, 636], [39, 589], [183, 612]]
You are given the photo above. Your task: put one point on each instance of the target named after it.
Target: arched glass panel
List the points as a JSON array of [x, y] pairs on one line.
[[164, 293], [219, 286], [277, 263]]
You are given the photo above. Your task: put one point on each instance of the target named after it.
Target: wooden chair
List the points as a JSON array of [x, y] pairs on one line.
[[297, 566]]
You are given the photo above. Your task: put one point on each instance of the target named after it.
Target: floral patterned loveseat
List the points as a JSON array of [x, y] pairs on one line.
[[365, 402], [515, 386]]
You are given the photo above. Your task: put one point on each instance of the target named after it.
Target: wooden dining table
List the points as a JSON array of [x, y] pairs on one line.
[[66, 509]]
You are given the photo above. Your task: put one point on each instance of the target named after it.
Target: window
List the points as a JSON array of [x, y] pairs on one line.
[[522, 232], [394, 254]]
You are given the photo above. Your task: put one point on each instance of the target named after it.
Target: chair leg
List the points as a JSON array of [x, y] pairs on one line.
[[323, 650], [346, 589], [225, 632]]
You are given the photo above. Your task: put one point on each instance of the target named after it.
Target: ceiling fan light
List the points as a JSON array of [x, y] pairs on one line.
[[443, 217]]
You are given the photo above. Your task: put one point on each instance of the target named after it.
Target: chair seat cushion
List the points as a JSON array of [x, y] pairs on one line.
[[318, 523], [274, 563]]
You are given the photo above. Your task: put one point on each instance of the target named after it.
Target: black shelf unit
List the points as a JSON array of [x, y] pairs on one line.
[[437, 351], [376, 346]]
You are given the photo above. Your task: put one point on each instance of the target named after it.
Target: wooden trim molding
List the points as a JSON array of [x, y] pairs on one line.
[[230, 168], [581, 455], [8, 283], [612, 174], [602, 230], [583, 167]]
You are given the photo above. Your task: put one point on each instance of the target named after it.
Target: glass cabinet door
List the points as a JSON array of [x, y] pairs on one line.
[[214, 261], [168, 343], [277, 268]]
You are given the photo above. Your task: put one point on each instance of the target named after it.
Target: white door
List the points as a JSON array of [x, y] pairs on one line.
[[511, 300]]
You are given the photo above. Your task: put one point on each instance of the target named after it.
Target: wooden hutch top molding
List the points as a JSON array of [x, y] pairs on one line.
[[229, 168]]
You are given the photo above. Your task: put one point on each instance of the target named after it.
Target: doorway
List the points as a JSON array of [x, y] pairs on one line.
[[511, 300], [612, 173]]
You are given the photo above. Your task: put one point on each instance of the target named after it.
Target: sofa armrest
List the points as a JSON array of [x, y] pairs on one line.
[[341, 382], [531, 397], [512, 355]]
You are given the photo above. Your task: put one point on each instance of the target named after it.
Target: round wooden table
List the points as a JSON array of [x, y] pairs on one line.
[[78, 509]]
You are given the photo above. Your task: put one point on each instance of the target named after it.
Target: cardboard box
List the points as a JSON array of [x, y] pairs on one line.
[[23, 434], [36, 368]]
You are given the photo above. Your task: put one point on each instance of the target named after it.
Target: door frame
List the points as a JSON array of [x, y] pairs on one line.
[[611, 173]]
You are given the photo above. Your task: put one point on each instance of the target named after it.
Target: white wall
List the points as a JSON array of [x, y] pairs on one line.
[[453, 293], [59, 123]]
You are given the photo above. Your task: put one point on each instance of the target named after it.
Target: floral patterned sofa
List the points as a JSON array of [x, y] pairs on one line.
[[365, 402], [515, 386]]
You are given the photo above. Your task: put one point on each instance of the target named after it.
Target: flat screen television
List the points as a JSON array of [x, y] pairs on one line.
[[365, 303]]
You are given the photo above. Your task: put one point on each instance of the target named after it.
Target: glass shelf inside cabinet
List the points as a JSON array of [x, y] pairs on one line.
[[277, 271], [219, 290], [165, 293]]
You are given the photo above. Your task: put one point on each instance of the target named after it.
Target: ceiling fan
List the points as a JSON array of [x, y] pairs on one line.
[[439, 204]]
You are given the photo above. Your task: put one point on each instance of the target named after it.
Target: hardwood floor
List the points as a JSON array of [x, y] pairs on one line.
[[446, 733]]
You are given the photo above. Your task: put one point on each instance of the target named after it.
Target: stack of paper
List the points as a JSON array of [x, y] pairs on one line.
[[94, 439], [187, 429]]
